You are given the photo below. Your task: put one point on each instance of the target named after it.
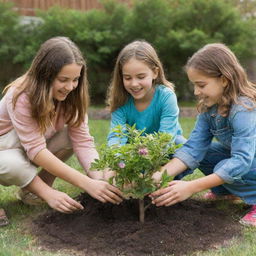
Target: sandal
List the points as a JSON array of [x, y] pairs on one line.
[[250, 218], [210, 196], [3, 218], [29, 198]]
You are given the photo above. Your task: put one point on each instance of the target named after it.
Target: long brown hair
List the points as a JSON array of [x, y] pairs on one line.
[[217, 60], [142, 51], [37, 83]]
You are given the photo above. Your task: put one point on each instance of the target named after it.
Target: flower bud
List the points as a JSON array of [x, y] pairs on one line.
[[143, 151], [121, 165]]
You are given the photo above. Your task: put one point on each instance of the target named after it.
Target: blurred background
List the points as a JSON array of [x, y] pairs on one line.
[[176, 28]]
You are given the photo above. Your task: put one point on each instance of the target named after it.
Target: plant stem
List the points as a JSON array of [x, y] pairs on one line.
[[142, 210], [146, 207]]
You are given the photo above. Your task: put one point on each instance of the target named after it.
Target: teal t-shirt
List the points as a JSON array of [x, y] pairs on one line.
[[161, 115]]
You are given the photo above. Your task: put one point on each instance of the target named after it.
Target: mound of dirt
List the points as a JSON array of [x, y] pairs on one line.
[[108, 230]]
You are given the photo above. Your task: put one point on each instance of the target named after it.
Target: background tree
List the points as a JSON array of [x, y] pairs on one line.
[[176, 28]]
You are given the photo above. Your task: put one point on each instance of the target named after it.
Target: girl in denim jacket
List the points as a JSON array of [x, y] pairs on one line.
[[228, 114]]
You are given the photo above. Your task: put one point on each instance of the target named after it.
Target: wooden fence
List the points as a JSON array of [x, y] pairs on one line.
[[28, 7]]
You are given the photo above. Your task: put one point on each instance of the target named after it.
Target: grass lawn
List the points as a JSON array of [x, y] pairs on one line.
[[15, 240]]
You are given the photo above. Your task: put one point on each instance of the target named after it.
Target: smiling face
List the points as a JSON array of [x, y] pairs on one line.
[[208, 89], [66, 81], [138, 80]]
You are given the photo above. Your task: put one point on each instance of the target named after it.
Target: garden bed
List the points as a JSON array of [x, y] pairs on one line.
[[108, 230]]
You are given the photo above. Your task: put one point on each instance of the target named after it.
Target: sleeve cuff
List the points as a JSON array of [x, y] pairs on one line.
[[186, 159], [223, 175]]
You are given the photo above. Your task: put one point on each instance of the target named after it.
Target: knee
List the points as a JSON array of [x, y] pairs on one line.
[[19, 172], [60, 141], [64, 138]]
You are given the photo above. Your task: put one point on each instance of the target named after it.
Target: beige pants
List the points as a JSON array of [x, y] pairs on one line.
[[15, 166]]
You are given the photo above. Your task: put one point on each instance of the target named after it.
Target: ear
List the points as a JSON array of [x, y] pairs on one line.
[[156, 72], [224, 81]]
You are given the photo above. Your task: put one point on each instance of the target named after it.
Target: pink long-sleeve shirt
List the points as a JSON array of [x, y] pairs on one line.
[[19, 118]]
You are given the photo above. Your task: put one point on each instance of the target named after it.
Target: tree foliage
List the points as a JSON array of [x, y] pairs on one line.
[[176, 28], [135, 162]]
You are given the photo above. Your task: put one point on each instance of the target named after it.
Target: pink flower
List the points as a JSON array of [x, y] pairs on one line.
[[143, 151], [121, 165]]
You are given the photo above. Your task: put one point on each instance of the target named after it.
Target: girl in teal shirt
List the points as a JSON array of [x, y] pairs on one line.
[[140, 94]]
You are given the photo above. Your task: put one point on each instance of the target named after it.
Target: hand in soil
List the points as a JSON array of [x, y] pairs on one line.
[[177, 191], [104, 192], [62, 202]]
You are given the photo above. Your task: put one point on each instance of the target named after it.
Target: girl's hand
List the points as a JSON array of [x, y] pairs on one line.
[[104, 192], [157, 176], [96, 175], [62, 202], [108, 173], [177, 191]]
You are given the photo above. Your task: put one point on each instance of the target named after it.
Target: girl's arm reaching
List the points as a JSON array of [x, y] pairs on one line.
[[98, 189], [173, 168], [117, 118], [178, 191]]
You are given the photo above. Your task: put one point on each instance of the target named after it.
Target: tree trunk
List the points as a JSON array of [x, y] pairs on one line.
[[142, 210]]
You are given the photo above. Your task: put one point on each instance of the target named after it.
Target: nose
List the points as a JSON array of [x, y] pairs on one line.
[[70, 86], [196, 91], [134, 82]]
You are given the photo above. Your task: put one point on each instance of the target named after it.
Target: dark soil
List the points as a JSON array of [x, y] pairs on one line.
[[108, 230]]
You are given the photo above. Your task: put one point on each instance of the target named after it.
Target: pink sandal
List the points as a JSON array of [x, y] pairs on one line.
[[250, 218], [210, 196]]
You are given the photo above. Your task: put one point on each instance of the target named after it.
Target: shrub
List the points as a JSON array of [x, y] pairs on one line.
[[135, 162]]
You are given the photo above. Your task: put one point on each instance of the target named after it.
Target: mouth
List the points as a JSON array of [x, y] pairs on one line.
[[202, 99], [136, 91], [64, 93]]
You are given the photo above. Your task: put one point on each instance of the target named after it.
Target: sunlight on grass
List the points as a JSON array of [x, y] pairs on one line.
[[15, 239]]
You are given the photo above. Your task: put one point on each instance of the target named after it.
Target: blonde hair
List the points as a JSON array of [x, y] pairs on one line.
[[142, 51], [217, 60], [37, 83]]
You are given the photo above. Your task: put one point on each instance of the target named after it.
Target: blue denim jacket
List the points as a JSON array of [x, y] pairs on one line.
[[236, 133]]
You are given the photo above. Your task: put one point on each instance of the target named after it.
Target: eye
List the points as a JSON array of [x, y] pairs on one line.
[[141, 76], [62, 80], [200, 85], [126, 78]]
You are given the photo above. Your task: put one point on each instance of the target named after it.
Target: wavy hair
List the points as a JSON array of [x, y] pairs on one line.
[[142, 51], [52, 56], [217, 60]]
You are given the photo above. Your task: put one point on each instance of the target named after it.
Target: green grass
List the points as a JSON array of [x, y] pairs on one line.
[[16, 240], [187, 103]]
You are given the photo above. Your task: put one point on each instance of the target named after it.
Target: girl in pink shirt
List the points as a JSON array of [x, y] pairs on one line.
[[43, 121]]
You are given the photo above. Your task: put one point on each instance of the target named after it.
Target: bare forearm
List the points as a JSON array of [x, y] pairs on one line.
[[38, 187], [98, 189], [178, 190], [55, 166], [206, 182], [174, 167]]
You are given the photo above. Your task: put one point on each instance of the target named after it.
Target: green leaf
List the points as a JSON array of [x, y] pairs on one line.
[[165, 180]]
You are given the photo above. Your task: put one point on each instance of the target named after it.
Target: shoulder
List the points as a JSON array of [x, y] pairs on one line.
[[243, 104], [123, 108], [165, 93], [22, 98], [162, 89]]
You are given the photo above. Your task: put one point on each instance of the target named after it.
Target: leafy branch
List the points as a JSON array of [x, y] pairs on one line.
[[135, 162]]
